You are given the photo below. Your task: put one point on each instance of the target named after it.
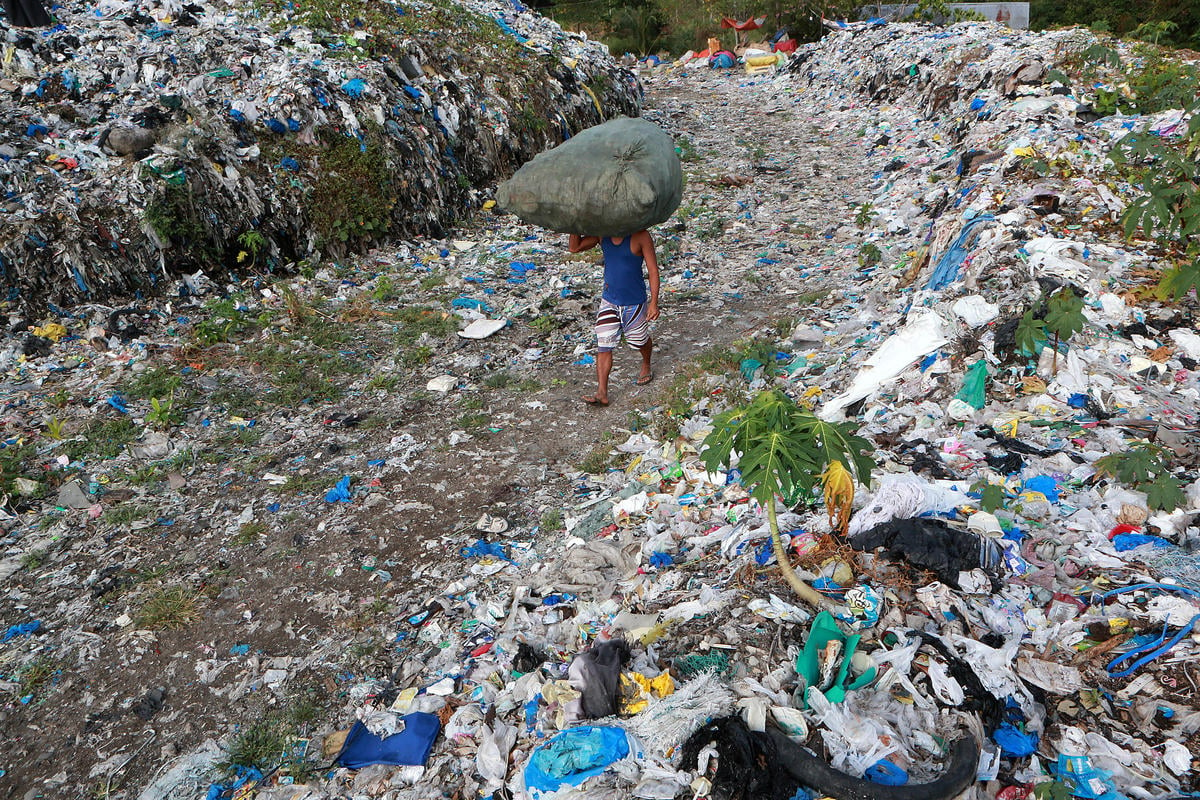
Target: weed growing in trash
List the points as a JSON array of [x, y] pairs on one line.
[[415, 321], [433, 281], [168, 608], [355, 197], [384, 383], [551, 520], [34, 559], [544, 324], [1145, 466], [248, 533], [260, 745], [37, 675], [416, 356], [686, 149], [163, 413], [147, 475], [499, 380], [598, 460], [158, 381], [1062, 316], [472, 421], [224, 319], [785, 449], [55, 429], [104, 439], [127, 513], [16, 462], [864, 215], [1170, 208]]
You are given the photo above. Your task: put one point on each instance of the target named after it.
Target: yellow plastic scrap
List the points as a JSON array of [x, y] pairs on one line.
[[633, 701], [1024, 152], [52, 331], [839, 495], [654, 634], [489, 205], [637, 690]]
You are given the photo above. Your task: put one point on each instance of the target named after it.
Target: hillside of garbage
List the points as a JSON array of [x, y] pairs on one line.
[[314, 539], [142, 143]]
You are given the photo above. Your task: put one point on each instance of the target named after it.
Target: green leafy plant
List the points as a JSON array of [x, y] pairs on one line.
[[168, 608], [1063, 317], [162, 413], [864, 215], [1145, 467], [55, 429], [1169, 209], [252, 243], [991, 495], [869, 255], [783, 450]]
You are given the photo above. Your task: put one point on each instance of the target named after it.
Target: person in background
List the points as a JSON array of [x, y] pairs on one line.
[[625, 307], [27, 14]]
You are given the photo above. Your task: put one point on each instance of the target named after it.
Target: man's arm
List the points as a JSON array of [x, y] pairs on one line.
[[577, 243], [647, 252]]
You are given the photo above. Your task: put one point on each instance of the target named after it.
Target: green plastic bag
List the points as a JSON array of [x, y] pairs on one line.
[[610, 180], [973, 384], [824, 630]]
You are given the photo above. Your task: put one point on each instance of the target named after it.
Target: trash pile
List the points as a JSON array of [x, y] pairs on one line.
[[1015, 604], [143, 141], [1012, 611]]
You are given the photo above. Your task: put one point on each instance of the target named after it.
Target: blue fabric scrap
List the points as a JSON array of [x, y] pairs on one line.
[[946, 270], [410, 747], [21, 629], [340, 493], [573, 756]]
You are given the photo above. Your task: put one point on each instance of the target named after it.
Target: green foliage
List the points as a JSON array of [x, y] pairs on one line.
[[158, 381], [940, 12], [261, 745], [1123, 18], [551, 520], [162, 413], [686, 150], [174, 215], [168, 608], [864, 215], [784, 447], [354, 198], [252, 243], [224, 319], [413, 321], [1064, 314], [1031, 333], [104, 439], [1059, 316], [384, 289], [1051, 790], [991, 495], [1169, 209], [1145, 467], [869, 255]]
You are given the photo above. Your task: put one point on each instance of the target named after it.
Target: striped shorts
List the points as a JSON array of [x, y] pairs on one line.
[[612, 321]]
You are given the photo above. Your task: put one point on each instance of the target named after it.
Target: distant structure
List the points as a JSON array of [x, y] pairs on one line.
[[1014, 15]]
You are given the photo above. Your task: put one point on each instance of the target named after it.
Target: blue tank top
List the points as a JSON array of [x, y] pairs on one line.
[[623, 281]]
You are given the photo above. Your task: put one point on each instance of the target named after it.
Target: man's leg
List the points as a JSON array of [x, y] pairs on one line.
[[608, 335], [604, 360], [647, 350], [637, 334]]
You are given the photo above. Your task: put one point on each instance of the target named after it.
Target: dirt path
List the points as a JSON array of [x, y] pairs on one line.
[[302, 590]]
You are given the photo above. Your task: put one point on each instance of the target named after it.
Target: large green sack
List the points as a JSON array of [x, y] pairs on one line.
[[611, 180]]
